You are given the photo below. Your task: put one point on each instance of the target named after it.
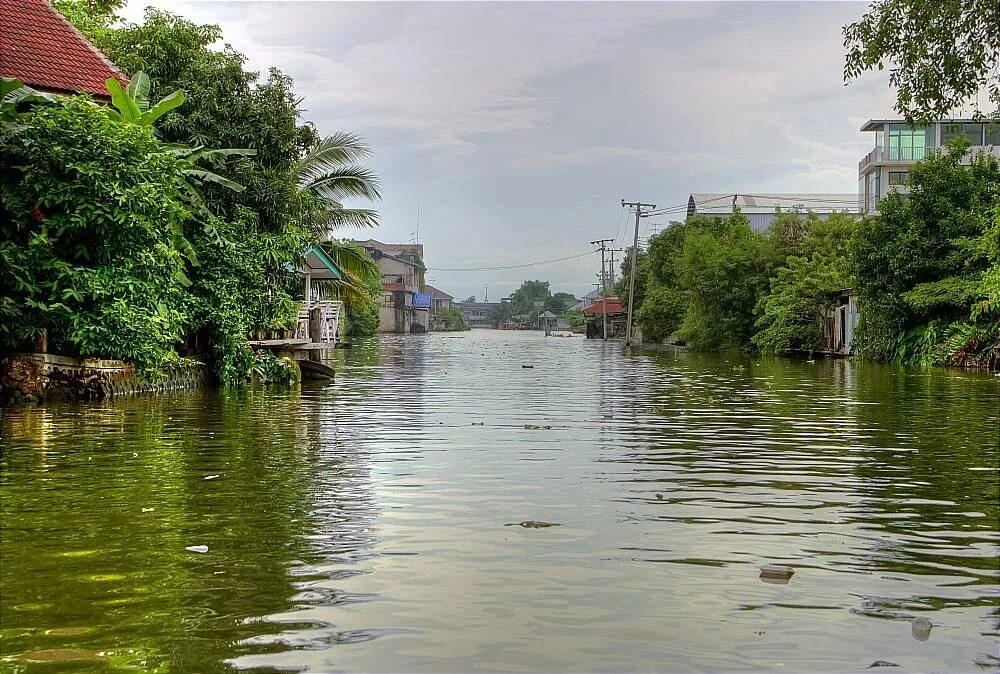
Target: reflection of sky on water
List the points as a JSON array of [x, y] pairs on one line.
[[359, 526]]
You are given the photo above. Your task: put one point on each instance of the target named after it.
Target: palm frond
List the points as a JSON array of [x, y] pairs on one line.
[[354, 261], [346, 182], [332, 219], [331, 153]]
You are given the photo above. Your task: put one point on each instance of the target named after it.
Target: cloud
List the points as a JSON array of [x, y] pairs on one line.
[[518, 127]]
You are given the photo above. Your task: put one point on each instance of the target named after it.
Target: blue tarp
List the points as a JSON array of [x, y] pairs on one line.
[[422, 300]]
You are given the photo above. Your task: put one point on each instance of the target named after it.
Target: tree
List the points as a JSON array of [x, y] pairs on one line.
[[620, 288], [925, 263], [331, 171], [522, 300], [661, 312], [560, 302], [725, 269], [792, 313], [88, 228], [942, 53]]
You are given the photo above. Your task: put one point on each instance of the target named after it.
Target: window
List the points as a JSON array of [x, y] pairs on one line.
[[992, 134], [880, 139], [972, 131], [908, 143], [899, 177], [861, 193], [874, 185]]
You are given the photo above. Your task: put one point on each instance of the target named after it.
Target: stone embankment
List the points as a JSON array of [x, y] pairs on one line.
[[32, 377]]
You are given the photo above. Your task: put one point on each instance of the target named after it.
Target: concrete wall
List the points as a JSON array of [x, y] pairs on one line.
[[29, 377], [392, 268]]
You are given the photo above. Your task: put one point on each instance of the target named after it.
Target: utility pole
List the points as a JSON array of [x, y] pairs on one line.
[[638, 205], [613, 251], [604, 290]]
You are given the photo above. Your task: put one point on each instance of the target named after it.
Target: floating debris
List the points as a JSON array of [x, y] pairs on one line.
[[920, 628], [148, 510], [882, 663], [197, 548], [478, 423], [659, 497], [60, 655], [528, 367], [776, 574], [68, 631], [532, 524], [211, 477]]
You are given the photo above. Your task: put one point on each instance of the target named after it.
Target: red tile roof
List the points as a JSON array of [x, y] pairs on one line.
[[42, 49], [614, 306], [438, 294]]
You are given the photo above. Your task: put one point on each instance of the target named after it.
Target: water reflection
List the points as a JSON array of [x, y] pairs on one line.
[[359, 526]]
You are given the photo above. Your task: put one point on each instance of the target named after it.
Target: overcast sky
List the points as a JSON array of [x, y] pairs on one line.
[[519, 127]]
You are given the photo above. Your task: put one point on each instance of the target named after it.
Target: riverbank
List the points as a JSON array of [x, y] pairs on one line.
[[34, 377]]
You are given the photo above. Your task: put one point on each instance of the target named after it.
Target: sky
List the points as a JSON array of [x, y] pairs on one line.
[[516, 129]]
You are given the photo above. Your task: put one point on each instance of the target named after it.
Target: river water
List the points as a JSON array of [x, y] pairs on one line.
[[363, 525]]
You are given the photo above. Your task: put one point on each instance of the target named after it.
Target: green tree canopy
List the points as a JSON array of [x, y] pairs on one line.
[[88, 237], [925, 263], [941, 53]]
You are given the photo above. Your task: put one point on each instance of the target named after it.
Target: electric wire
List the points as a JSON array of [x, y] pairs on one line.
[[515, 266]]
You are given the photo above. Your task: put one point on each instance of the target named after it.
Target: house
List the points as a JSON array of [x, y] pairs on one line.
[[319, 315], [440, 300], [39, 47], [477, 314], [898, 146], [761, 209], [547, 321], [611, 307], [405, 307]]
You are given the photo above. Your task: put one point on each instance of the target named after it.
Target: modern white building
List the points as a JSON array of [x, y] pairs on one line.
[[898, 146], [760, 209]]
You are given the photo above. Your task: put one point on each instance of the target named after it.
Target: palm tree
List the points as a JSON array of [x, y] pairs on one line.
[[327, 175], [330, 171]]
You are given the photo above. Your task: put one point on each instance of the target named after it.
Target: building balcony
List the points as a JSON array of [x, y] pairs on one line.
[[880, 156]]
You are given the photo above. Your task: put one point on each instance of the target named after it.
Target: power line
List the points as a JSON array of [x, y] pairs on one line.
[[621, 220], [514, 266]]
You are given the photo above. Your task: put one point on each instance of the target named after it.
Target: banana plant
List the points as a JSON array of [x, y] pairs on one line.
[[131, 104]]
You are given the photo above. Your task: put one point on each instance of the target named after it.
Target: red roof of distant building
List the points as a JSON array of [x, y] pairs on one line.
[[390, 287], [42, 49], [614, 306], [438, 294]]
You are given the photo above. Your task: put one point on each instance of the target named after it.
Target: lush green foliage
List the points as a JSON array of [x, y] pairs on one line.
[[926, 265], [522, 302], [131, 241], [717, 284], [451, 320], [792, 314], [363, 318], [330, 171], [88, 236], [574, 316], [941, 54], [725, 271]]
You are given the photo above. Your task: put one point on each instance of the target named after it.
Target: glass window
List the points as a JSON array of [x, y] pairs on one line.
[[971, 130], [992, 134], [861, 193], [899, 177], [874, 184], [880, 139], [907, 143]]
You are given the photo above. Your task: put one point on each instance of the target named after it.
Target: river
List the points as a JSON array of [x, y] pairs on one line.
[[365, 525]]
